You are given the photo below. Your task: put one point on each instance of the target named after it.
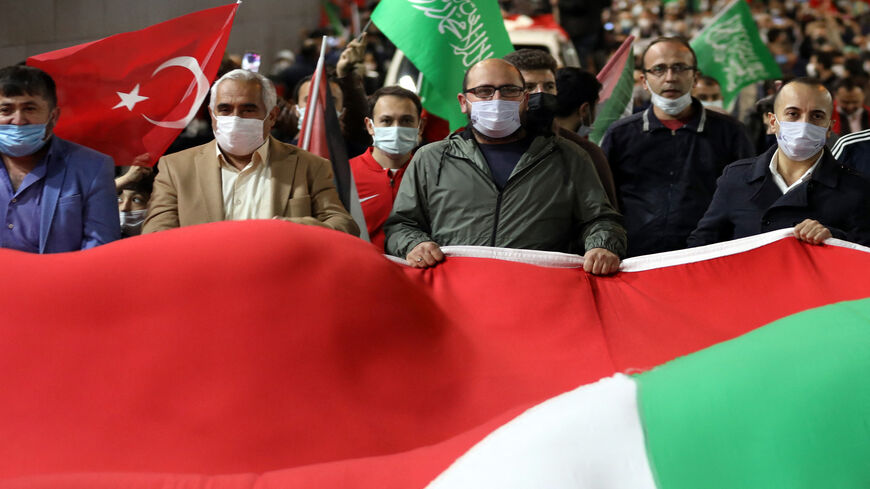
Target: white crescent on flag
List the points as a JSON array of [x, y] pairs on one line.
[[202, 86]]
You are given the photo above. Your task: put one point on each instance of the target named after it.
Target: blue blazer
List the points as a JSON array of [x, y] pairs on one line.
[[79, 205], [748, 202]]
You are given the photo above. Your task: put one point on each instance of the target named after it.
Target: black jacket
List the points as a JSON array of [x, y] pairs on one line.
[[748, 202], [665, 179]]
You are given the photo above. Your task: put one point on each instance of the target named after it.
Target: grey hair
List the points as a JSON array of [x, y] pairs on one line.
[[267, 89]]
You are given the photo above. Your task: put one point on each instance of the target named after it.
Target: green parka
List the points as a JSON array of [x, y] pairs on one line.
[[552, 201]]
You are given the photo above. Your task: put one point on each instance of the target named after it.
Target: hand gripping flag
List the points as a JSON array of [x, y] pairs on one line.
[[443, 39], [730, 50], [133, 93]]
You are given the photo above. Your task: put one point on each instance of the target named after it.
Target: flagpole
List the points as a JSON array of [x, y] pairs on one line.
[[313, 89]]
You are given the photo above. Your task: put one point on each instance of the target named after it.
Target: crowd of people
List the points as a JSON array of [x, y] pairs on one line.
[[682, 170]]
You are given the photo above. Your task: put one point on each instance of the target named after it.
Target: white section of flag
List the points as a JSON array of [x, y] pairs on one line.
[[590, 437]]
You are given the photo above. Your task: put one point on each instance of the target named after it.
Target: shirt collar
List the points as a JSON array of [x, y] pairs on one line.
[[695, 123], [260, 154], [780, 181]]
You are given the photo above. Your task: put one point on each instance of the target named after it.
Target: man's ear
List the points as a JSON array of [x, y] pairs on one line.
[[462, 99], [771, 123], [52, 121], [422, 126], [370, 126]]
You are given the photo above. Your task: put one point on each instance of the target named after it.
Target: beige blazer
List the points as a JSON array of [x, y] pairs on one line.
[[187, 189]]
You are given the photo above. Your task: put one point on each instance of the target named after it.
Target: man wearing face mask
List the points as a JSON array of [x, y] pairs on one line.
[[709, 92], [796, 183], [395, 126], [495, 184], [244, 173], [539, 71], [55, 195], [666, 159]]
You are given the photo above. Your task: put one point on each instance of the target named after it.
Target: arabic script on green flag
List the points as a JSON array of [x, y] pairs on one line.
[[443, 38], [730, 50]]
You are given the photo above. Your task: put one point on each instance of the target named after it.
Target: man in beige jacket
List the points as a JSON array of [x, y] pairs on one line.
[[244, 173]]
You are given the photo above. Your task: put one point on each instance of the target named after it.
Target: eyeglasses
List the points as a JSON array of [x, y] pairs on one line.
[[487, 91], [678, 69]]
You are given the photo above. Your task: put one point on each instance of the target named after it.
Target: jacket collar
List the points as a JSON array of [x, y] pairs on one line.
[[825, 173], [55, 171], [696, 123], [769, 195]]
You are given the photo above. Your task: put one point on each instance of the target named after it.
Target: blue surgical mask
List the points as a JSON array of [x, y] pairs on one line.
[[395, 140], [21, 140]]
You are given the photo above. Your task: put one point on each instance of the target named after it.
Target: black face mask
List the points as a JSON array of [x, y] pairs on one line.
[[540, 114]]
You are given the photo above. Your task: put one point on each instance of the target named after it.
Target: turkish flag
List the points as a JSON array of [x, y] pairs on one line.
[[133, 93]]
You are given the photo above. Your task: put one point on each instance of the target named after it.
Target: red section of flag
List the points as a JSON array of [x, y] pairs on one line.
[[109, 89], [331, 366], [612, 71]]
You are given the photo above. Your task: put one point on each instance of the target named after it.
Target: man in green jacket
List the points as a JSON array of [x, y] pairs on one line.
[[493, 185]]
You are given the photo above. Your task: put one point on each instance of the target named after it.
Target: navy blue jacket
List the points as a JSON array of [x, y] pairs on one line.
[[748, 202], [665, 179]]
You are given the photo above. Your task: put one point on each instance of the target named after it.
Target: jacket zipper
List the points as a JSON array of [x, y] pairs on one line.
[[507, 185]]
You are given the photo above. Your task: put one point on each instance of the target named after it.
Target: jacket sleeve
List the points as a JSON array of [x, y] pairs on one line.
[[101, 221], [355, 111], [326, 206], [716, 225], [163, 205], [601, 224], [408, 224]]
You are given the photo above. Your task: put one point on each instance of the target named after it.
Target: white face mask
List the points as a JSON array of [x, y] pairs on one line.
[[496, 118], [800, 140], [237, 135], [131, 222], [395, 140], [671, 106], [712, 103]]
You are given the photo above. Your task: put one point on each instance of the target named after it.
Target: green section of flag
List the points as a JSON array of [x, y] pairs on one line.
[[730, 50], [443, 39], [787, 405], [619, 103]]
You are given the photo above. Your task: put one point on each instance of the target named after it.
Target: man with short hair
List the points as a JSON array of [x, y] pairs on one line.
[[576, 96], [494, 184], [795, 183], [55, 195], [709, 92], [244, 173], [850, 115], [666, 159], [395, 125], [539, 71]]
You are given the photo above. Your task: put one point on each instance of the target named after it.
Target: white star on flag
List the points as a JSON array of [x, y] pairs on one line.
[[130, 99]]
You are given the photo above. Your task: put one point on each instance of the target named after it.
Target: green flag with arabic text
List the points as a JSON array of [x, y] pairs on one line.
[[730, 50], [443, 38]]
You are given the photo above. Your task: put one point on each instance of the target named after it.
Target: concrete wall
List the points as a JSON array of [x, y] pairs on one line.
[[36, 26]]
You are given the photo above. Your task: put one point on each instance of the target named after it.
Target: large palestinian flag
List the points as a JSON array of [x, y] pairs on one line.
[[268, 354]]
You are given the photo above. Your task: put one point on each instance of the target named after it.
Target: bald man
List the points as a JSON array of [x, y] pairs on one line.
[[495, 184], [796, 183]]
